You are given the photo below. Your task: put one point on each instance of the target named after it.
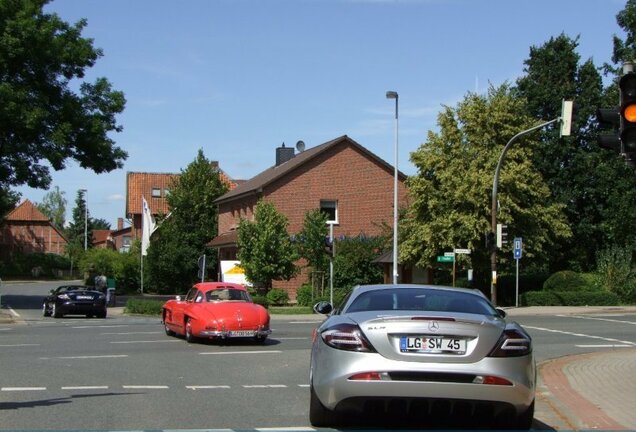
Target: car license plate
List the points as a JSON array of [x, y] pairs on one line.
[[242, 333], [432, 345], [84, 297]]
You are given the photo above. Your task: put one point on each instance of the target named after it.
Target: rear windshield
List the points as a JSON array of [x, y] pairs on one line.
[[420, 299], [226, 294]]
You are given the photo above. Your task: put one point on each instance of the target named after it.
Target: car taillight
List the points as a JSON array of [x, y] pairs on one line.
[[346, 337], [512, 343]]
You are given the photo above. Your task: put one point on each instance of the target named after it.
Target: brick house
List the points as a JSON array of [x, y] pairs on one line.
[[155, 187], [119, 239], [27, 230], [341, 177]]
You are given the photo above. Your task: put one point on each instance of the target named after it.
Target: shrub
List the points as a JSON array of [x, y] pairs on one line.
[[144, 307], [569, 298], [304, 296], [277, 297], [570, 281], [615, 273], [260, 300]]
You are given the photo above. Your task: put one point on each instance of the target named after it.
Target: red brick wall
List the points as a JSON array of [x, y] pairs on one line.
[[31, 237]]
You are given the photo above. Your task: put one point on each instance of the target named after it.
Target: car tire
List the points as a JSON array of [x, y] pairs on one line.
[[319, 416], [102, 314], [189, 337], [167, 329], [45, 310], [55, 312], [260, 339], [524, 421]]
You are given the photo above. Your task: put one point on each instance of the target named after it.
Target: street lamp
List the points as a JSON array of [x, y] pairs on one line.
[[394, 95], [84, 191]]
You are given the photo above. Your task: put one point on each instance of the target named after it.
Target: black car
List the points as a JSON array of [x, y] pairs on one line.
[[74, 300]]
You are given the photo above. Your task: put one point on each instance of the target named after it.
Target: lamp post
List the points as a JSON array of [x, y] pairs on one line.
[[84, 191], [394, 95]]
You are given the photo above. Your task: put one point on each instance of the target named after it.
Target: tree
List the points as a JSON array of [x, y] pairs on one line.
[[100, 224], [8, 200], [183, 236], [53, 205], [596, 188], [79, 226], [624, 50], [311, 240], [264, 247], [42, 59], [451, 193]]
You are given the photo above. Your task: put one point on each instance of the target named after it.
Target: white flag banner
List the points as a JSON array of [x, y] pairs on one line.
[[147, 226]]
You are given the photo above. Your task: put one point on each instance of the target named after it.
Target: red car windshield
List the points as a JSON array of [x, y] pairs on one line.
[[226, 294]]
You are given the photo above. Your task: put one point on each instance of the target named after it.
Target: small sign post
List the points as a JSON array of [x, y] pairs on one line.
[[516, 253]]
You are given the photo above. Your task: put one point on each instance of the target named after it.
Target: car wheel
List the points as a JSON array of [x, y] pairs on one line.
[[260, 339], [102, 314], [319, 416], [45, 310], [524, 421], [189, 337], [168, 331], [55, 312]]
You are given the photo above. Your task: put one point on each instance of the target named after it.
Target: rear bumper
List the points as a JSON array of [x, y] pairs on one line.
[[81, 308], [226, 334]]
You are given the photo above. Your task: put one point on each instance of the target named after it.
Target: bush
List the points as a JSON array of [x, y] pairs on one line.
[[569, 298], [277, 297], [35, 265], [144, 307], [569, 281], [260, 300]]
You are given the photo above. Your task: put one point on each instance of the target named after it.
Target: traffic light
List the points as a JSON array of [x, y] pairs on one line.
[[627, 128], [490, 241], [609, 118], [329, 245], [502, 235]]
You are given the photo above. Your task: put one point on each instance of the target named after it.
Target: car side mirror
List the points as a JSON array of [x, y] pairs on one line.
[[323, 307], [178, 298], [502, 313]]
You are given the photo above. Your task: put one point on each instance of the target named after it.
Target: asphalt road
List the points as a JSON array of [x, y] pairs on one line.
[[124, 373]]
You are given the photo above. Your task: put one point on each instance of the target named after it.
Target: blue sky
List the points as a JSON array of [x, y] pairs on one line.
[[237, 78]]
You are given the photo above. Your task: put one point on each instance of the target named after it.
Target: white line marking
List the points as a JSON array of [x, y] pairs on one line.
[[582, 335], [265, 386], [303, 385], [5, 329], [131, 333], [240, 352], [100, 326], [145, 341], [599, 319], [146, 387], [207, 387], [18, 345], [85, 388], [86, 357], [14, 313], [7, 389], [603, 346]]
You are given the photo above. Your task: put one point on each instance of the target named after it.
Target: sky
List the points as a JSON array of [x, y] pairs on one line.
[[238, 78]]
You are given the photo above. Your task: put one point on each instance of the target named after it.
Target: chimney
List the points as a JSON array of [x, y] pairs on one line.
[[283, 154], [120, 223]]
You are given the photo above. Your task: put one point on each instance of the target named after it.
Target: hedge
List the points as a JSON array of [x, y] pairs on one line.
[[144, 307], [571, 281], [569, 298]]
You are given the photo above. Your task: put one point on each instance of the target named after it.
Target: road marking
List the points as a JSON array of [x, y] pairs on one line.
[[131, 333], [240, 352], [14, 313], [100, 326], [5, 329], [85, 357], [8, 389], [599, 319], [289, 428], [265, 386], [145, 341], [207, 387], [303, 385], [582, 335], [85, 388], [603, 346], [18, 345], [146, 387]]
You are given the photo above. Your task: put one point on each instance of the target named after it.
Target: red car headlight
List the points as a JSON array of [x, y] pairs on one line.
[[346, 337]]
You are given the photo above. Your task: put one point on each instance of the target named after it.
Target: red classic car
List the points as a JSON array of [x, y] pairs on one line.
[[216, 310]]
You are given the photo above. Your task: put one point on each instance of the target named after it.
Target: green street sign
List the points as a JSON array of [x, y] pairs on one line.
[[445, 259]]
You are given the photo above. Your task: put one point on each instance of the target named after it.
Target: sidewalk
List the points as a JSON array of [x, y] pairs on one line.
[[583, 392]]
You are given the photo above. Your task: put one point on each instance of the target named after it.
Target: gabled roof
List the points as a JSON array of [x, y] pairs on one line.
[[258, 182], [100, 236], [26, 212]]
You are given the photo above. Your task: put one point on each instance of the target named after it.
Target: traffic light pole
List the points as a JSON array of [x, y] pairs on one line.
[[493, 221]]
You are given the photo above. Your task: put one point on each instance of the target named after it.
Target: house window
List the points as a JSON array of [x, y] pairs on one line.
[[156, 192], [330, 208]]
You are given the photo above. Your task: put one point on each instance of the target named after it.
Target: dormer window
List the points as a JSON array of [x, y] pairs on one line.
[[156, 192]]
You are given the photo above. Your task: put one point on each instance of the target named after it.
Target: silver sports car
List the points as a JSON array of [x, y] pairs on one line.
[[417, 353]]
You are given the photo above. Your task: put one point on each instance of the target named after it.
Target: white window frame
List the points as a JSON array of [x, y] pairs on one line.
[[155, 192], [330, 204]]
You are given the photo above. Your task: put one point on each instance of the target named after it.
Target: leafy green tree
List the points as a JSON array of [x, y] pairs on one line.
[[594, 185], [182, 237], [100, 224], [311, 240], [8, 200], [53, 205], [264, 247], [450, 204], [80, 224], [42, 60], [353, 264], [624, 50]]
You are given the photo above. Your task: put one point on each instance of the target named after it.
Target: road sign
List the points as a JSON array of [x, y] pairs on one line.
[[444, 259], [462, 251], [447, 254], [518, 246]]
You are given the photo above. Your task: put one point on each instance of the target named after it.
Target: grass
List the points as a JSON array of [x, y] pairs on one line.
[[290, 310]]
